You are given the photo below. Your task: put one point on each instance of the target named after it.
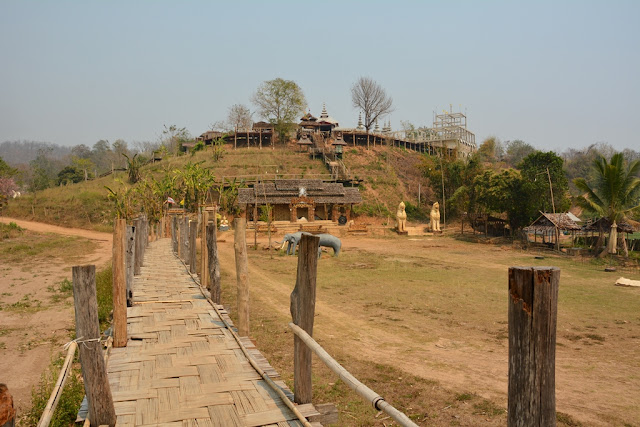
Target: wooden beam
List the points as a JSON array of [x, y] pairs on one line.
[[119, 282]]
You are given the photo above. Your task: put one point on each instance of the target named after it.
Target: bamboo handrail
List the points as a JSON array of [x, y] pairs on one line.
[[365, 392], [47, 414]]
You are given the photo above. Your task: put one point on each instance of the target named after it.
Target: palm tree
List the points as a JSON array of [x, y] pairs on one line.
[[615, 191]]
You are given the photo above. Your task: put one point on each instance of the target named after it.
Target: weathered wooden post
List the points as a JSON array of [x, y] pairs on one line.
[[137, 265], [193, 235], [131, 256], [94, 373], [303, 306], [174, 233], [242, 275], [533, 309], [213, 264], [119, 282], [184, 239], [204, 256]]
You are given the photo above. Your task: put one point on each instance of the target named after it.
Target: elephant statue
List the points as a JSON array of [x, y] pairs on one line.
[[326, 240], [292, 239], [329, 241]]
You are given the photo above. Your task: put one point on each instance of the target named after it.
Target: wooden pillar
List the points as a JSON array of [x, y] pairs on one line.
[[119, 282], [193, 235], [94, 373], [294, 214], [533, 309], [312, 213], [242, 276], [303, 306], [131, 256], [174, 233], [137, 263], [204, 256], [184, 239], [213, 271]]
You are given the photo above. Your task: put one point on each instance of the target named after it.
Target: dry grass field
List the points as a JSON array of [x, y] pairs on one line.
[[423, 321]]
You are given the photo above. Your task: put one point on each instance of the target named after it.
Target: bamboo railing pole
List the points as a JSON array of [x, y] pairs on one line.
[[213, 264], [130, 260], [365, 392], [50, 409]]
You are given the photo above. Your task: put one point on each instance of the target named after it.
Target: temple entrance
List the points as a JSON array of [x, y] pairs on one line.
[[302, 212]]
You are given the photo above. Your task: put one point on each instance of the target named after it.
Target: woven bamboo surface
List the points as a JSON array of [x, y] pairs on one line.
[[181, 366]]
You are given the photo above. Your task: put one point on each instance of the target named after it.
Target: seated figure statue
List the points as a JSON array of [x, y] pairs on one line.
[[435, 217], [401, 216]]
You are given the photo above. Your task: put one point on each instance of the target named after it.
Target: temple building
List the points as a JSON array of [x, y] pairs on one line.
[[297, 200]]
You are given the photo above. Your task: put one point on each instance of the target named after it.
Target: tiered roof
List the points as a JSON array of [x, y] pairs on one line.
[[282, 191]]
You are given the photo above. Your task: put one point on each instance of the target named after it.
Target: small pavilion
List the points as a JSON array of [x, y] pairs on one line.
[[294, 199]]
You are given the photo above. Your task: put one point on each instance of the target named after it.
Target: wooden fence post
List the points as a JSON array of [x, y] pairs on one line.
[[184, 239], [119, 282], [174, 233], [213, 264], [204, 255], [242, 275], [303, 307], [131, 256], [137, 264], [94, 373], [533, 309], [193, 235]]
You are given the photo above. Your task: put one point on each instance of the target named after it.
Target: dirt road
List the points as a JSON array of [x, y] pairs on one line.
[[37, 318]]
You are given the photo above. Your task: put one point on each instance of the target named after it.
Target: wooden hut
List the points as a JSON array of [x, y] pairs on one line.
[[293, 199], [550, 224]]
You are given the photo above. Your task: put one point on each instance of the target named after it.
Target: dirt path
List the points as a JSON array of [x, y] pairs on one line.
[[38, 317]]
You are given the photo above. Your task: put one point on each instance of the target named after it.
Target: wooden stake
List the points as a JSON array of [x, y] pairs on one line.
[[137, 265], [131, 256], [303, 306], [242, 275], [94, 373], [204, 253], [193, 234], [533, 309], [119, 284], [213, 264], [174, 233]]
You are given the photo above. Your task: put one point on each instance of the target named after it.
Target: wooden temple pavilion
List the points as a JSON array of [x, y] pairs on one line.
[[294, 199]]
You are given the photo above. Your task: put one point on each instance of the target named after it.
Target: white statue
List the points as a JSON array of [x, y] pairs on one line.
[[435, 217], [401, 216]]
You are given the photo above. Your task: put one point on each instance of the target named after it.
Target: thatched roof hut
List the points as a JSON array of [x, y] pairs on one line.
[[548, 222], [603, 225]]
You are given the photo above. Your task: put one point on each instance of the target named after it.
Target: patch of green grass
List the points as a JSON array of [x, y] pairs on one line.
[[70, 399], [463, 397], [9, 231], [104, 290], [567, 420], [486, 407]]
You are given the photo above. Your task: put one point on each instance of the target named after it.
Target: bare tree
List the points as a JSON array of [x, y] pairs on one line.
[[372, 99], [239, 117]]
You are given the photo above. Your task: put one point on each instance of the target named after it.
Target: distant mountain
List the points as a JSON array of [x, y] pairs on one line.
[[22, 152]]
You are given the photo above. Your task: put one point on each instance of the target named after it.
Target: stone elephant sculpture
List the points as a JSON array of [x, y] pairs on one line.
[[329, 241], [292, 240]]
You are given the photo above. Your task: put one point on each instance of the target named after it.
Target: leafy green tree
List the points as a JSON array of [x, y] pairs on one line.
[[281, 102], [537, 169], [195, 182], [505, 191], [6, 170], [70, 175], [85, 165], [515, 151], [615, 191]]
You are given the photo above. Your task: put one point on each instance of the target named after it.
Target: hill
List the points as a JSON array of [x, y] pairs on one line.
[[388, 175]]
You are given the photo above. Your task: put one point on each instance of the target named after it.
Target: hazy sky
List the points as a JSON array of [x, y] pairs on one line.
[[556, 74]]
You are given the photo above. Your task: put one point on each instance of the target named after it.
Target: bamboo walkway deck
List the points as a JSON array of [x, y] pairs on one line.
[[181, 366]]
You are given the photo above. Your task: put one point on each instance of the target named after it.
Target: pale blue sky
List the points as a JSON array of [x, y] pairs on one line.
[[556, 74]]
